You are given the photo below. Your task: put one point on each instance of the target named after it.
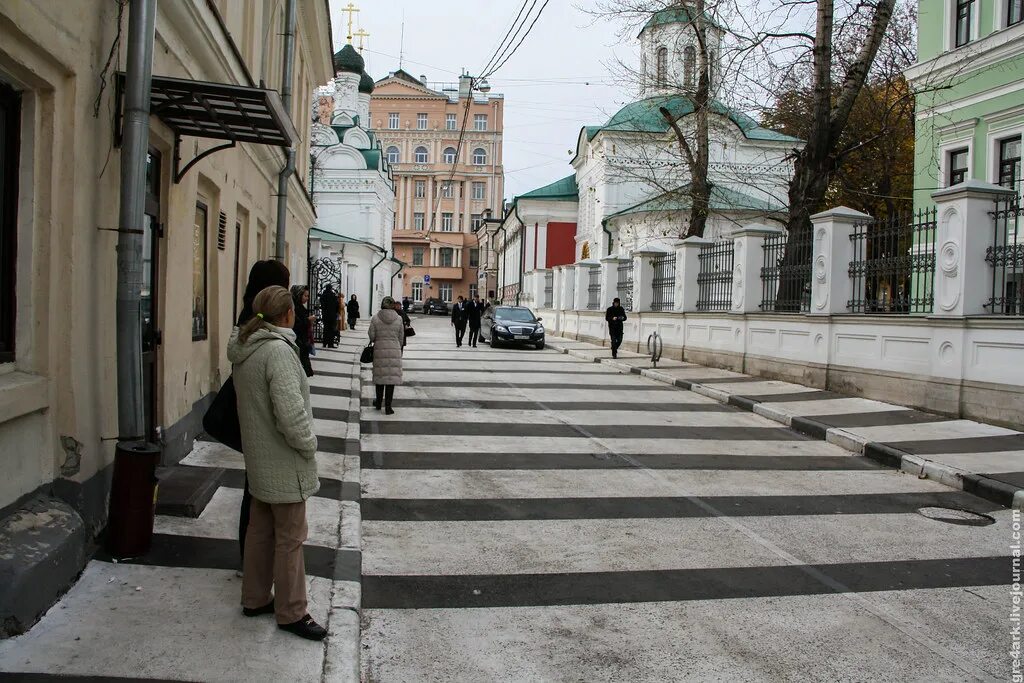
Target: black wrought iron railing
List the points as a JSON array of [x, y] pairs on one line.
[[664, 283], [624, 284], [1006, 257], [714, 278], [549, 289], [893, 266], [594, 289], [786, 273]]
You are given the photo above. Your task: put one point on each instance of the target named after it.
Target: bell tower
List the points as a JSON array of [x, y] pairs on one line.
[[670, 51]]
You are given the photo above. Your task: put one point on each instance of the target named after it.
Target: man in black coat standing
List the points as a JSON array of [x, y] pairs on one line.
[[459, 320], [474, 309], [329, 315], [615, 316]]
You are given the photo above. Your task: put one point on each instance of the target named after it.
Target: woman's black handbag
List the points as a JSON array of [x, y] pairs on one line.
[[409, 332], [367, 355], [221, 419]]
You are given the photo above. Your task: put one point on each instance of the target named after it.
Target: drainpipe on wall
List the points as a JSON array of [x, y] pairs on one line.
[[401, 267], [522, 252], [604, 226], [134, 148], [503, 271], [287, 68]]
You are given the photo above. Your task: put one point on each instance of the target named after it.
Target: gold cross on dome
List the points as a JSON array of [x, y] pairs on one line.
[[351, 9], [361, 34]]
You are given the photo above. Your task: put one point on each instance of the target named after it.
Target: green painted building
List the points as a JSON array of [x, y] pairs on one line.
[[970, 103]]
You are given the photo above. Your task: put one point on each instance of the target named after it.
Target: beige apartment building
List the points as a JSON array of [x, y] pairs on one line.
[[444, 191], [205, 225]]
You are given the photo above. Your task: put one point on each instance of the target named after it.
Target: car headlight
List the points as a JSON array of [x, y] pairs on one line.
[[540, 329], [501, 328]]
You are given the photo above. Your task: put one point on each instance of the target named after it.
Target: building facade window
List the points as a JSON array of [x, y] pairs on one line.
[[450, 122], [420, 190], [447, 222], [661, 68], [474, 290], [962, 22], [480, 122], [477, 221], [393, 121], [479, 157], [10, 138], [1014, 12], [449, 155], [445, 289], [1009, 163], [393, 155], [417, 221], [417, 255], [417, 291], [446, 257], [199, 317], [689, 66], [957, 167], [479, 190], [446, 190], [421, 121], [421, 155], [474, 257]]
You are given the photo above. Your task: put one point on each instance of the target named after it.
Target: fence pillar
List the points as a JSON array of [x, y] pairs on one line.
[[567, 289], [748, 257], [609, 279], [963, 279], [831, 286], [687, 269], [643, 278], [540, 278], [580, 286]]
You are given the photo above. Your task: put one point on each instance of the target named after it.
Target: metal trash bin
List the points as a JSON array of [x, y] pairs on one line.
[[132, 499]]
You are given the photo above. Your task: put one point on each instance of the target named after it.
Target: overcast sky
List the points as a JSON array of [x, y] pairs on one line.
[[545, 84]]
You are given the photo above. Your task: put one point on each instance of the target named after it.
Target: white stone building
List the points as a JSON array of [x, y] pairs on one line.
[[353, 188]]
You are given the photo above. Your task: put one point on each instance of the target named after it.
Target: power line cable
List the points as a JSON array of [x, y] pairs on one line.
[[509, 56], [507, 33]]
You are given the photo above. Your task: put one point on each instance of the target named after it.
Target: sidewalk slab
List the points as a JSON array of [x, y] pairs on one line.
[[982, 459]]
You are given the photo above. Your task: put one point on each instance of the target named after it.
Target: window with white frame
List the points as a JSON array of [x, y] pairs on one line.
[[449, 155], [1009, 163], [957, 172], [445, 290], [661, 75], [446, 190], [1014, 12], [450, 122], [479, 157], [474, 290], [689, 66], [447, 222], [963, 19], [420, 190], [417, 291], [394, 155], [477, 221], [421, 155], [421, 121], [417, 221], [446, 257], [479, 190], [474, 257], [480, 122], [417, 255], [393, 120]]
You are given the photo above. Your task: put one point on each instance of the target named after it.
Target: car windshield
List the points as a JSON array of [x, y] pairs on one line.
[[519, 315]]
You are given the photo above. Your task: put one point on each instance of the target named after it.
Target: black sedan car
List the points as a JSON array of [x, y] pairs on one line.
[[435, 306], [512, 325]]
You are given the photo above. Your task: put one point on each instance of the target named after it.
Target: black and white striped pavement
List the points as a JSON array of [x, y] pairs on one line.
[[528, 516]]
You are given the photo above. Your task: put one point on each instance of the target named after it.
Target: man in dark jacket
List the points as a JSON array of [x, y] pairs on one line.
[[329, 315], [474, 309], [615, 316], [353, 312], [459, 320]]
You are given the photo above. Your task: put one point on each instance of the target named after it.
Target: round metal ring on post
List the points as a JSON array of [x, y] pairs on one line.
[[956, 516], [654, 347]]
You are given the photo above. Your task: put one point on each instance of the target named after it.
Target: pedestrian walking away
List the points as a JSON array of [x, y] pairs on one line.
[[615, 316], [263, 274], [353, 312], [329, 315], [387, 334], [279, 447], [459, 320], [406, 323], [303, 323], [474, 311]]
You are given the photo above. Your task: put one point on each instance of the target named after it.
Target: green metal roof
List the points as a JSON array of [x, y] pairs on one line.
[[317, 233], [722, 199], [644, 116], [348, 59], [560, 189], [680, 14], [372, 157], [366, 84]]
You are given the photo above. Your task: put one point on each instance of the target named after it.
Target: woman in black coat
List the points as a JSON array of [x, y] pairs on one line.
[[353, 312], [303, 320]]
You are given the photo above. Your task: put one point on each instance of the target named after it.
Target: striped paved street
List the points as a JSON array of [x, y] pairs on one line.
[[527, 516]]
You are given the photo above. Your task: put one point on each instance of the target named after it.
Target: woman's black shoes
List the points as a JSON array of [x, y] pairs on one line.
[[305, 628], [376, 405], [257, 611], [388, 411]]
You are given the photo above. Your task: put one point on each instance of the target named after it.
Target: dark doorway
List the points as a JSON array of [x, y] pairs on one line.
[[10, 142], [151, 336]]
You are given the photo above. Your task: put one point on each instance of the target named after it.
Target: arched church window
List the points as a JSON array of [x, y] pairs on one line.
[[479, 157], [393, 155], [689, 66], [449, 155], [662, 66], [421, 155]]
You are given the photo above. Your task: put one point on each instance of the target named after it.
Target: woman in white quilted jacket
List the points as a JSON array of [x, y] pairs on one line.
[[387, 332], [280, 461]]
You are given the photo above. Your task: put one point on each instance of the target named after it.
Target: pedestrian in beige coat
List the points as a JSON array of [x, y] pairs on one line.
[[279, 446], [387, 332]]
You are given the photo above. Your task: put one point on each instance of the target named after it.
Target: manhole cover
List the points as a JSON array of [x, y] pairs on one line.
[[957, 516]]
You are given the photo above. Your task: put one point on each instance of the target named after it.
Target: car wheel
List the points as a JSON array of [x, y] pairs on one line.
[[494, 340], [540, 346]]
